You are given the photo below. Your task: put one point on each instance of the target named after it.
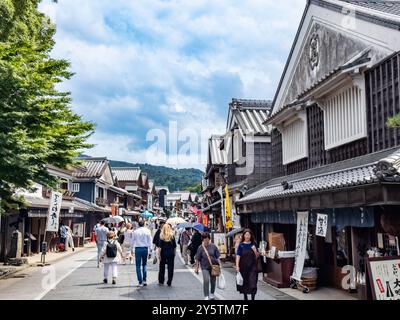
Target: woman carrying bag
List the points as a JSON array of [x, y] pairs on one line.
[[208, 258], [167, 252], [246, 265]]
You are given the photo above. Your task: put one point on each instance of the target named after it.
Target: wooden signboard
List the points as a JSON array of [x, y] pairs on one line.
[[384, 278]]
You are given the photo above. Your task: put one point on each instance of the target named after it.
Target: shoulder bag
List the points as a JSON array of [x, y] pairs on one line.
[[215, 268]]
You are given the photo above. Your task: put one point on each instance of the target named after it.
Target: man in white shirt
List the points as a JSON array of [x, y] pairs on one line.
[[141, 243], [101, 238]]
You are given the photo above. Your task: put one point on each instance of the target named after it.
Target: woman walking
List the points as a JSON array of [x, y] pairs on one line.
[[111, 255], [167, 251], [127, 244], [207, 256], [246, 264]]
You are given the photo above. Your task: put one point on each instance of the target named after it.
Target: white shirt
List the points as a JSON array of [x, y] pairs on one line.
[[142, 238], [101, 233]]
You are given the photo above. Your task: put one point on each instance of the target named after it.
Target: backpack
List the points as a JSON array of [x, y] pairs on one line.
[[111, 250]]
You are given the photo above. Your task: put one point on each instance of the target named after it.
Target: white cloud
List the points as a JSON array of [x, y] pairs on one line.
[[142, 63]]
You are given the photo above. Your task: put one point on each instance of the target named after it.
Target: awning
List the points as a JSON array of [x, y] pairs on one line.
[[346, 217]]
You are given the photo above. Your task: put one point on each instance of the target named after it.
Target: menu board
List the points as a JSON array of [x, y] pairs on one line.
[[384, 277]]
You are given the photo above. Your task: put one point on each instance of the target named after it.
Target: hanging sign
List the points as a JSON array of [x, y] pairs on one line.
[[322, 225], [384, 277], [301, 245], [53, 215], [228, 215], [149, 202]]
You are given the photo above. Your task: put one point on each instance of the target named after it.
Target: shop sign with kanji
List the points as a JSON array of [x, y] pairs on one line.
[[385, 278]]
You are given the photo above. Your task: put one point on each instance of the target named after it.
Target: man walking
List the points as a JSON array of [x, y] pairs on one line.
[[185, 239], [101, 238], [63, 236], [141, 243]]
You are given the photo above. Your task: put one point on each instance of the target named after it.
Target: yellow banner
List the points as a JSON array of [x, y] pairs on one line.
[[228, 215]]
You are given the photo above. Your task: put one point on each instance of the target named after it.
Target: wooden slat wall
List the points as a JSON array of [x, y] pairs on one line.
[[277, 169], [316, 147], [383, 92]]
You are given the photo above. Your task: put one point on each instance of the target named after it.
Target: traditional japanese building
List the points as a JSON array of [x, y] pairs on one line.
[[332, 151]]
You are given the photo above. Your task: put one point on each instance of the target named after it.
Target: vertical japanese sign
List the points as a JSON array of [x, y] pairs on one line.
[[53, 215], [149, 202], [301, 245], [385, 278], [228, 215], [322, 225]]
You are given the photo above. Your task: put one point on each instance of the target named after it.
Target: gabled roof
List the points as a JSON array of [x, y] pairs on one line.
[[250, 115], [185, 196], [174, 196], [382, 6], [127, 174], [384, 13], [159, 188], [372, 168], [93, 168]]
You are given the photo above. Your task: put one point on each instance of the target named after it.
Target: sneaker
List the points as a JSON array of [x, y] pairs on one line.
[[114, 281], [207, 298], [144, 284], [105, 281], [161, 284], [212, 296], [140, 285]]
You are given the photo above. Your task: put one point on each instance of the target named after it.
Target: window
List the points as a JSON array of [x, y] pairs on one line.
[[100, 192], [345, 117], [75, 187], [295, 140]]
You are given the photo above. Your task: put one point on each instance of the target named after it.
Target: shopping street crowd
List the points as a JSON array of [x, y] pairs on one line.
[[141, 242]]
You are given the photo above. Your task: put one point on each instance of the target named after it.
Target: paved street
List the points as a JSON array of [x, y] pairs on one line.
[[77, 277]]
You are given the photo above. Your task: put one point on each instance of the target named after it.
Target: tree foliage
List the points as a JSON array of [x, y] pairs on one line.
[[37, 124], [394, 122]]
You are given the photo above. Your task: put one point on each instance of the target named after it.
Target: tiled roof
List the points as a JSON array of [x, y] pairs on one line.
[[217, 156], [251, 114], [93, 168], [174, 196], [127, 174], [158, 188], [389, 7], [367, 173]]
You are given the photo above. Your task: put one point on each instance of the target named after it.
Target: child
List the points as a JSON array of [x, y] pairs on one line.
[[111, 255]]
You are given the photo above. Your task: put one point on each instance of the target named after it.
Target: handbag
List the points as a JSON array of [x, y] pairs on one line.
[[221, 282], [215, 268], [258, 261]]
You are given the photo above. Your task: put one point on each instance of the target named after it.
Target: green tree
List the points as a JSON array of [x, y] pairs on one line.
[[394, 122], [195, 188], [37, 124]]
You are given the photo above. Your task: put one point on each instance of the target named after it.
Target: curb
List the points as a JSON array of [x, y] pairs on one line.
[[34, 264]]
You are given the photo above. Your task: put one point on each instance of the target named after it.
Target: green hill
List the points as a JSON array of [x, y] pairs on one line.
[[175, 179]]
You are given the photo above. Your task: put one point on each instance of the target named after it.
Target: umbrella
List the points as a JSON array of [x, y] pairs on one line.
[[185, 225], [114, 219], [234, 232], [176, 220], [200, 227], [146, 214]]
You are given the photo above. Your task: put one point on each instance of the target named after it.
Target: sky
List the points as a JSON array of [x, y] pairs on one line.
[[157, 76]]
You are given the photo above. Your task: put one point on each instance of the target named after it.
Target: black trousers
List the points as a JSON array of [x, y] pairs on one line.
[[193, 255], [166, 260]]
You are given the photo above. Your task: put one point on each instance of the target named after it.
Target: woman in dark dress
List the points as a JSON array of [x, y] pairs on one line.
[[246, 264], [167, 251]]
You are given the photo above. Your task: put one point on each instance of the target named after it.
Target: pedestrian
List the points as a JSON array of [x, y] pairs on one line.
[[185, 239], [113, 229], [121, 232], [111, 254], [207, 256], [156, 238], [167, 252], [141, 243], [101, 238], [70, 238], [195, 243], [246, 264], [127, 244], [63, 237]]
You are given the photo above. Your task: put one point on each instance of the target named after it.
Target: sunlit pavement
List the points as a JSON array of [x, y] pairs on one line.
[[77, 277]]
